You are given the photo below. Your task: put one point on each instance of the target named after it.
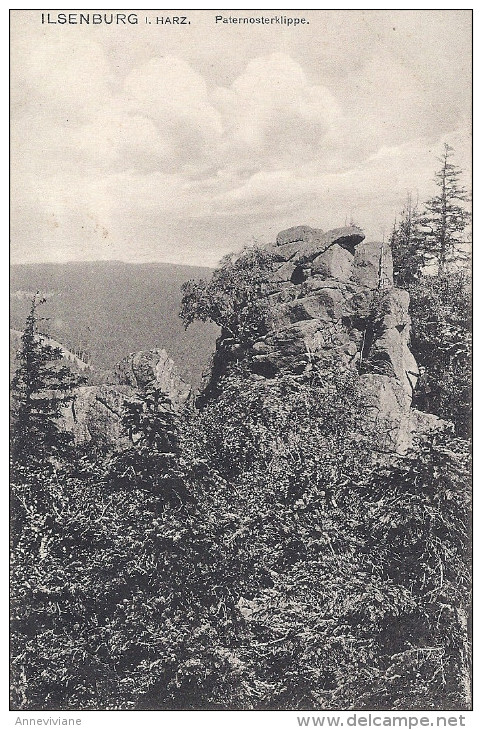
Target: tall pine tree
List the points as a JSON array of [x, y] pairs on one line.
[[444, 218]]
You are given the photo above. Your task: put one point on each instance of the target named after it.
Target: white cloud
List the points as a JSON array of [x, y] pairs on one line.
[[127, 163], [273, 115], [175, 97]]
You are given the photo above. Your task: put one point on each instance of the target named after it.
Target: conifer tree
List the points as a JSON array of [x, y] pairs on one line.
[[444, 218], [41, 388], [407, 246], [152, 461]]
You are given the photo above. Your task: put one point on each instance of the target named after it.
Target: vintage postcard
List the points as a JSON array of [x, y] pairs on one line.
[[241, 379]]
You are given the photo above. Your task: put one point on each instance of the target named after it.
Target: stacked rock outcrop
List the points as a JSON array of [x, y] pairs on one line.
[[333, 293], [331, 296]]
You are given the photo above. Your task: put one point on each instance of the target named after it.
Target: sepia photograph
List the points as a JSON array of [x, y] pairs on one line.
[[241, 362]]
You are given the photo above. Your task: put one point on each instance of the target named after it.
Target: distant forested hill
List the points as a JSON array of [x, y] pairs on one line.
[[108, 309]]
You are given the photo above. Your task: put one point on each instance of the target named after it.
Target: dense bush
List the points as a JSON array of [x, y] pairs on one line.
[[119, 598], [370, 609], [295, 575], [354, 576]]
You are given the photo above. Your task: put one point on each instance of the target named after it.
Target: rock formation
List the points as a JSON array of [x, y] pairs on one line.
[[333, 293], [96, 411]]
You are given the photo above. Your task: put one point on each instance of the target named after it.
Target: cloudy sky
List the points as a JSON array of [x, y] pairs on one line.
[[157, 143]]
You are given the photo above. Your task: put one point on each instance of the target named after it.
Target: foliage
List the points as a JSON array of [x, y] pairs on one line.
[[371, 613], [353, 576], [294, 571], [235, 298], [416, 525], [283, 425], [435, 233], [119, 599], [41, 388], [152, 460], [441, 341]]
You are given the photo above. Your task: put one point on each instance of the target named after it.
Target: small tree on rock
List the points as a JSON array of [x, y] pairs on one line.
[[236, 298]]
